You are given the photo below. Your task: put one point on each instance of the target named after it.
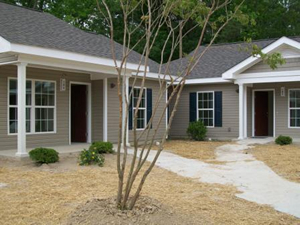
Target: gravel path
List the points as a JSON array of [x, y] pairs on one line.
[[254, 179]]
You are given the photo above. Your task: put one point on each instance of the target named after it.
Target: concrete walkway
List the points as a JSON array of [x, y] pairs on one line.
[[256, 181]]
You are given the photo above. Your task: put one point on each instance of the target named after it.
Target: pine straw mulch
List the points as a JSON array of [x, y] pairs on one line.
[[50, 196], [201, 150], [284, 160]]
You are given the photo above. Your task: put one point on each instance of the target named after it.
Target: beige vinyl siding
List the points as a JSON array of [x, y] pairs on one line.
[[290, 65], [61, 137], [281, 108], [113, 109], [230, 112], [97, 110]]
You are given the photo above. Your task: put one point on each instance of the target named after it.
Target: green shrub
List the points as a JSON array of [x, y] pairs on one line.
[[88, 157], [197, 131], [284, 140], [102, 147], [44, 155]]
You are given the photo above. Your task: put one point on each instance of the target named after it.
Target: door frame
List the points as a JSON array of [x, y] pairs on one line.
[[253, 110], [89, 110]]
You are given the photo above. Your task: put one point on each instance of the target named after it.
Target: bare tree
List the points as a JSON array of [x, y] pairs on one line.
[[213, 14]]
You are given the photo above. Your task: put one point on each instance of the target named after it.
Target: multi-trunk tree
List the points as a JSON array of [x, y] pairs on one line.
[[211, 15]]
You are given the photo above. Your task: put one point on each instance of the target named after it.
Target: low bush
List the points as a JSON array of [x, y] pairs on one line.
[[89, 157], [44, 155], [197, 131], [284, 140], [102, 147]]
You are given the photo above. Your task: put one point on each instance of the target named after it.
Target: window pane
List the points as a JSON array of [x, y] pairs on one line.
[[13, 127], [51, 125], [50, 114], [13, 92], [28, 92]]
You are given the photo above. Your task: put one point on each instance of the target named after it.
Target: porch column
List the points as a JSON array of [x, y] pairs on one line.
[[241, 111], [21, 90], [125, 99], [245, 111], [105, 109]]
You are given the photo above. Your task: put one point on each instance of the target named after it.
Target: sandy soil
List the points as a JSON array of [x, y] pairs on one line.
[[284, 160], [201, 150], [53, 194]]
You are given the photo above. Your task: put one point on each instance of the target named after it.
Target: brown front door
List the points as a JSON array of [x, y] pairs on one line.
[[261, 113], [78, 113]]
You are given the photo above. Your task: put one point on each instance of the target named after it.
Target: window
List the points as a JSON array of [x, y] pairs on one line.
[[294, 108], [44, 106], [40, 106], [141, 116], [206, 108]]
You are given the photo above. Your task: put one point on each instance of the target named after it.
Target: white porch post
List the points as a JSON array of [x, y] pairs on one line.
[[245, 112], [241, 111], [105, 109], [125, 99], [21, 110]]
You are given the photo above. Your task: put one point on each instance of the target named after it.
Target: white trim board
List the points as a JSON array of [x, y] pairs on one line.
[[253, 110], [89, 107]]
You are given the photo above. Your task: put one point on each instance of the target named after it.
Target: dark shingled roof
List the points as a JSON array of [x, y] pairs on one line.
[[218, 59], [31, 27]]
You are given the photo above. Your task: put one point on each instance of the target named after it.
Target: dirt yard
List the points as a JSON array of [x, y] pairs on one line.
[[201, 150], [63, 193], [284, 160]]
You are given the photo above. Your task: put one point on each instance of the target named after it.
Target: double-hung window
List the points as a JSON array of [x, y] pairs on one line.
[[40, 106], [142, 110], [294, 108], [206, 108]]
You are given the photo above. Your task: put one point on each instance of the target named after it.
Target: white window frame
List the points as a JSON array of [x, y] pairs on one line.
[[139, 108], [290, 108], [32, 107], [208, 109]]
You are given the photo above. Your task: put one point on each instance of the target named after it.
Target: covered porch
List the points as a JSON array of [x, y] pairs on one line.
[[269, 99], [67, 85]]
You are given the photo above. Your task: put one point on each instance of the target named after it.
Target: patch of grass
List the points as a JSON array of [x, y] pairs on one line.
[[284, 160]]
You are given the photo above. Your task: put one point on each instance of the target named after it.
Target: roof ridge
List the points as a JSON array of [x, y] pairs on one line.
[[22, 7], [255, 40]]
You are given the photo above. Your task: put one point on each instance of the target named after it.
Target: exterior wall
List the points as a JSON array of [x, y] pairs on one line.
[[97, 110], [61, 137], [113, 109], [230, 112], [290, 65], [281, 108]]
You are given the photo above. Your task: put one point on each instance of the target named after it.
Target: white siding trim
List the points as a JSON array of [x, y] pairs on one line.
[[105, 109]]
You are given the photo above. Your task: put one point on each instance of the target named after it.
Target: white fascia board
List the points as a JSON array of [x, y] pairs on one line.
[[216, 80], [5, 46], [229, 74], [155, 76], [64, 55], [279, 79], [271, 74], [51, 63]]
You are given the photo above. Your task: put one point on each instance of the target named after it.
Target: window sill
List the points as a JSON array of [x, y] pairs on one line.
[[29, 134]]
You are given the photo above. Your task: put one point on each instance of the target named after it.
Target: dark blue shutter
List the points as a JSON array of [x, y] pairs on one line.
[[218, 109], [193, 106], [130, 110], [149, 105]]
